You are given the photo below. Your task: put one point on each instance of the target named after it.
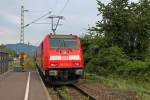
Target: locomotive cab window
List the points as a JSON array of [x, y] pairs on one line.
[[63, 43]]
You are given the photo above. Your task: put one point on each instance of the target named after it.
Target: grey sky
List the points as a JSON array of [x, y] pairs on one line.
[[78, 15]]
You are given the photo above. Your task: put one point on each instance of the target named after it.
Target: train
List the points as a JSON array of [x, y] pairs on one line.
[[60, 59]]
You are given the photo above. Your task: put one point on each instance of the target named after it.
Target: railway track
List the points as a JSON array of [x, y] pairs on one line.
[[90, 97], [83, 91], [57, 91], [100, 92], [72, 93], [54, 93]]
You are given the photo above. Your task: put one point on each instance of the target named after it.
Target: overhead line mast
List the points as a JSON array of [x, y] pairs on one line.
[[22, 23]]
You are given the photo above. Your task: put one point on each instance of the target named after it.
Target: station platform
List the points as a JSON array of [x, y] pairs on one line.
[[22, 86]]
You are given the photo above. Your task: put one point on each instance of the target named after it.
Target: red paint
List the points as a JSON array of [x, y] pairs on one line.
[[44, 52]]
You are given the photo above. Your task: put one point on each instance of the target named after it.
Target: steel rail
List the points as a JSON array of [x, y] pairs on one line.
[[90, 97], [58, 93]]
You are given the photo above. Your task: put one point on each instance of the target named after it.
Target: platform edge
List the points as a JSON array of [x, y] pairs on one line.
[[44, 87]]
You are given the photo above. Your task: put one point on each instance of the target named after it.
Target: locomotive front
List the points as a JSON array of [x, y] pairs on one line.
[[65, 58]]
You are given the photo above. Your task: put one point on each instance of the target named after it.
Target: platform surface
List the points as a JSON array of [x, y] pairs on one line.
[[13, 86]]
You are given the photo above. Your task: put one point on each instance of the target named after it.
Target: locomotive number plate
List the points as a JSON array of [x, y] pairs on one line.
[[64, 57]]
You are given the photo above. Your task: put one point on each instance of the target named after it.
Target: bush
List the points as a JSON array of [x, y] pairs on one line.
[[29, 63], [112, 59], [91, 47], [137, 69], [91, 67], [107, 61]]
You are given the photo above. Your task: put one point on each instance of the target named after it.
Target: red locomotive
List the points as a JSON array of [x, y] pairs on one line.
[[60, 58]]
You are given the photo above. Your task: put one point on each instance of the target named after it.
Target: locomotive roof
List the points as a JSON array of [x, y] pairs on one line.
[[63, 36]]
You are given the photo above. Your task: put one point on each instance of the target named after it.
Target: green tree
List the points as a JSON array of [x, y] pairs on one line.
[[2, 46], [9, 51], [126, 25]]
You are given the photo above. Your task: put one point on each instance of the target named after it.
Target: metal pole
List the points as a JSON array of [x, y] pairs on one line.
[[52, 25], [22, 23]]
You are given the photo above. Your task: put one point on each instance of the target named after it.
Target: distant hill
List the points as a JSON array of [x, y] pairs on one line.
[[19, 47]]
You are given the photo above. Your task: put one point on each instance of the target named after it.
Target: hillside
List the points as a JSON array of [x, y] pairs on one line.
[[21, 47]]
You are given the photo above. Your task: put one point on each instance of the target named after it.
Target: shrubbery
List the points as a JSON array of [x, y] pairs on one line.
[[29, 63], [111, 59], [136, 69], [107, 61], [119, 42], [9, 51]]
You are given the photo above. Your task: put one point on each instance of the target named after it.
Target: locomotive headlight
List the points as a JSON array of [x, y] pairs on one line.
[[79, 72], [53, 64], [77, 63]]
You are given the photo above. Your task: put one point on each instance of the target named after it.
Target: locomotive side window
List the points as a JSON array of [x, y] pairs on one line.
[[63, 43]]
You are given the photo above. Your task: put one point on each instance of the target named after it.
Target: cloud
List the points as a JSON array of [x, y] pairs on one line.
[[11, 18], [8, 35], [4, 30], [78, 14]]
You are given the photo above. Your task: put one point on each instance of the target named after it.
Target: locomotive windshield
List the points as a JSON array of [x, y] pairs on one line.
[[63, 43]]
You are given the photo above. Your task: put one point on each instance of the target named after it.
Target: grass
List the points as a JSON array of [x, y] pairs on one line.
[[28, 63], [64, 93], [141, 87]]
